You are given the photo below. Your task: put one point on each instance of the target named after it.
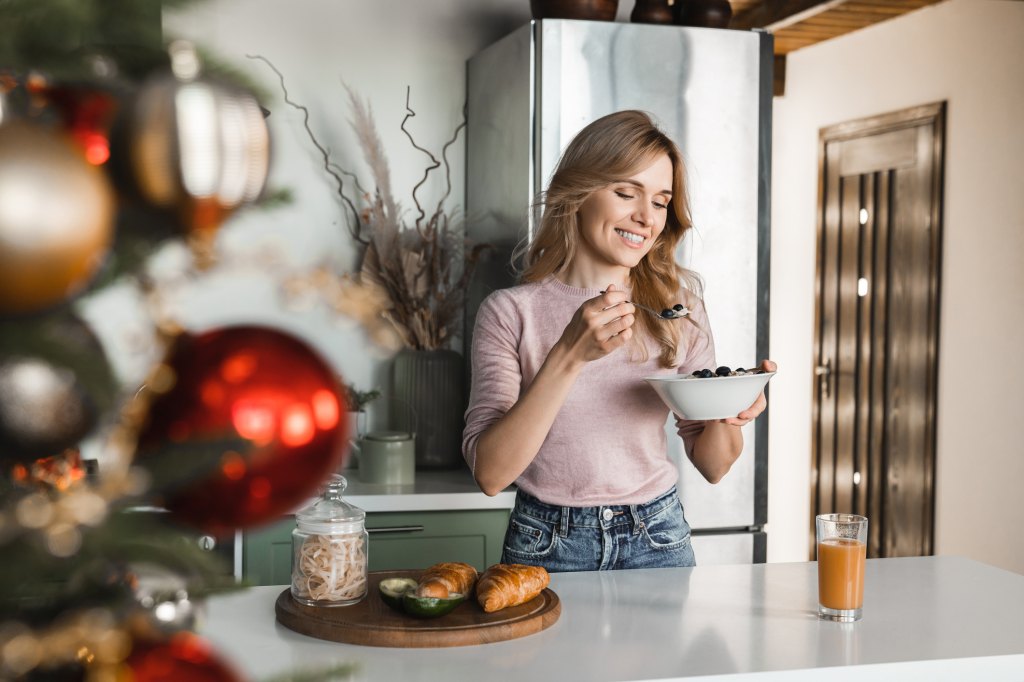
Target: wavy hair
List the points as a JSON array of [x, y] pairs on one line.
[[606, 151]]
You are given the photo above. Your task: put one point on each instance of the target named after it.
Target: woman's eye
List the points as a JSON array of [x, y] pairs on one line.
[[623, 195], [660, 206]]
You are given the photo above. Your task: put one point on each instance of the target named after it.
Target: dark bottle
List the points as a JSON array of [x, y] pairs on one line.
[[651, 12], [704, 13]]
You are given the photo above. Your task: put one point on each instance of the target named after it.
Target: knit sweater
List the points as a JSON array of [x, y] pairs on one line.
[[607, 444]]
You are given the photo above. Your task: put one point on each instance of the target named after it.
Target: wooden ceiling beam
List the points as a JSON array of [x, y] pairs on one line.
[[773, 15], [800, 23]]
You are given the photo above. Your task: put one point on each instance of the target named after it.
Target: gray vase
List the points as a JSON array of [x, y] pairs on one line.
[[429, 391]]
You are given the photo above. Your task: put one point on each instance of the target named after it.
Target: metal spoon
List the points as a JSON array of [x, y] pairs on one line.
[[676, 312]]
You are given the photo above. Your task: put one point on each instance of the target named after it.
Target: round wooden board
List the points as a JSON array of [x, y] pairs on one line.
[[373, 623]]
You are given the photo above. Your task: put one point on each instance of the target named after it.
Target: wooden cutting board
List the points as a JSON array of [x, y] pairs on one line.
[[373, 623]]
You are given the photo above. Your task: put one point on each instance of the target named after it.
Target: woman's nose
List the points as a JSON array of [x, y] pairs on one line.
[[644, 216]]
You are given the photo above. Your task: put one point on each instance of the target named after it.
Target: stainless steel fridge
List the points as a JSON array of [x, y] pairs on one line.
[[711, 91]]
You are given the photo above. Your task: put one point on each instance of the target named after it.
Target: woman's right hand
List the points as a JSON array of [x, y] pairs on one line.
[[507, 447], [599, 326]]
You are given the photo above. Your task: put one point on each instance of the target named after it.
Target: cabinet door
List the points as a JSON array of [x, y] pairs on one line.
[[398, 540], [401, 540], [267, 554]]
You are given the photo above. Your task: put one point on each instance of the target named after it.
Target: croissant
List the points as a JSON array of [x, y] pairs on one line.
[[441, 580], [504, 585]]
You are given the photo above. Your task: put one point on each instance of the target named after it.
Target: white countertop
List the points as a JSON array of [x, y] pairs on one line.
[[934, 618], [433, 491]]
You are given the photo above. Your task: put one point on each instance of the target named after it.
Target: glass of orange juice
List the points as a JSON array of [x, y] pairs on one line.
[[842, 550]]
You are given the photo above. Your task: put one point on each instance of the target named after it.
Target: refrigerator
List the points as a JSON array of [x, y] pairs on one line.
[[710, 90]]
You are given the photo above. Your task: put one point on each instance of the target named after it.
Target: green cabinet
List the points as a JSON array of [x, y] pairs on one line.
[[267, 554], [397, 540]]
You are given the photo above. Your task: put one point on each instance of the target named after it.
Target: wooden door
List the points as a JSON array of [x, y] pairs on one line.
[[876, 332]]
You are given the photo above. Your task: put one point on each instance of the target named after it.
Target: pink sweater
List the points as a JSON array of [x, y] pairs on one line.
[[607, 444]]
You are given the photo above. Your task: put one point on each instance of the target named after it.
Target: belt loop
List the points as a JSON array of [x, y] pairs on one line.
[[563, 526], [637, 523]]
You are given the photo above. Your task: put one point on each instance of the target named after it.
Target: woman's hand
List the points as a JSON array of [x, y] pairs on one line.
[[717, 448], [752, 412], [599, 326], [507, 447]]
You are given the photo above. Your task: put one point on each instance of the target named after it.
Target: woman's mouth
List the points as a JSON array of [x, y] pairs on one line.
[[631, 238]]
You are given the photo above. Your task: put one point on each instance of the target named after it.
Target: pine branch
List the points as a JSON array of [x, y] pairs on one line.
[[39, 586]]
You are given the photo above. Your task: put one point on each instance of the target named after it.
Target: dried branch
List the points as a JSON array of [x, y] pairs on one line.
[[355, 179], [355, 226], [409, 113], [447, 165]]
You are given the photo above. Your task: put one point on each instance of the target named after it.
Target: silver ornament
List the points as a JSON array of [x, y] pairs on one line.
[[163, 597], [43, 409], [198, 145]]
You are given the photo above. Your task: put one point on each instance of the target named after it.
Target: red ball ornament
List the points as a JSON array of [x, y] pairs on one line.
[[184, 657], [252, 426]]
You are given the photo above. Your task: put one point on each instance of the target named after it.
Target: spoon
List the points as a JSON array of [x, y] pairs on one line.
[[676, 312]]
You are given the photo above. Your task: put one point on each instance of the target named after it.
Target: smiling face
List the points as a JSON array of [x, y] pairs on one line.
[[620, 223]]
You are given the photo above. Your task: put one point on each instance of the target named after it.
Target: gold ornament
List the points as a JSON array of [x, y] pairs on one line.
[[56, 218]]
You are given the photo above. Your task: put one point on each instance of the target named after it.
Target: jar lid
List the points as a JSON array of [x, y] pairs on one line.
[[330, 514], [388, 436]]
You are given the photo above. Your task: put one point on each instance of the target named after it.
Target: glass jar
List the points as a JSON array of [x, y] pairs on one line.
[[329, 550]]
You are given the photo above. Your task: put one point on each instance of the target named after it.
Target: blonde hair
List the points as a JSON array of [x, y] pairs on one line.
[[606, 151]]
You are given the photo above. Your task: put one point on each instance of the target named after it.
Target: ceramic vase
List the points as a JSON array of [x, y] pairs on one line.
[[429, 392]]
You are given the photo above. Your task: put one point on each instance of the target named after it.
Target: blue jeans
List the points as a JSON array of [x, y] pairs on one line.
[[651, 535]]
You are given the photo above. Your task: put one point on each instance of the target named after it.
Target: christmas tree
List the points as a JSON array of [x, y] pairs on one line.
[[111, 143]]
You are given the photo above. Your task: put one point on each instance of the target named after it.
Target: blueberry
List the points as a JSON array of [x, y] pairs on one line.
[[706, 374], [740, 370], [723, 371], [696, 372], [678, 307], [668, 312]]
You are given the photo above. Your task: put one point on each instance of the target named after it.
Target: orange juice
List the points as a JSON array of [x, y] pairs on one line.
[[841, 573]]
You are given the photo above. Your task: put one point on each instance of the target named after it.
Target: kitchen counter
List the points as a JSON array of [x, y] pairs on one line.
[[432, 491], [935, 618]]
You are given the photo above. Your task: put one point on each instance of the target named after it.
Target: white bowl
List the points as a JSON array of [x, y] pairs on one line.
[[717, 397]]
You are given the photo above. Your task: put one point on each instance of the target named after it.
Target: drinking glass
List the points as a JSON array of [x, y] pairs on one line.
[[842, 550]]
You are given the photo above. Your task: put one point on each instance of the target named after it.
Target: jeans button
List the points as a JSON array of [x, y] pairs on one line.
[[607, 514]]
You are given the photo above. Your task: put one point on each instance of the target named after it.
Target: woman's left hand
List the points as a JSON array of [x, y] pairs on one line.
[[751, 413]]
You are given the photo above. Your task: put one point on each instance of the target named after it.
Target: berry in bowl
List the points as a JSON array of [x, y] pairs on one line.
[[710, 393]]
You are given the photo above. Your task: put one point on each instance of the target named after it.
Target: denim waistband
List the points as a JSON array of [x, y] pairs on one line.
[[594, 517]]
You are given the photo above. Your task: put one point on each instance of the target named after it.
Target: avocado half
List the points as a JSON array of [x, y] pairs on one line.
[[400, 594]]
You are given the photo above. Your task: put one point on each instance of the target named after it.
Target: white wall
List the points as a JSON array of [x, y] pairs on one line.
[[971, 54]]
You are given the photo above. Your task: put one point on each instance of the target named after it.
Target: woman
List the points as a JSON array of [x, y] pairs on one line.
[[558, 404]]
